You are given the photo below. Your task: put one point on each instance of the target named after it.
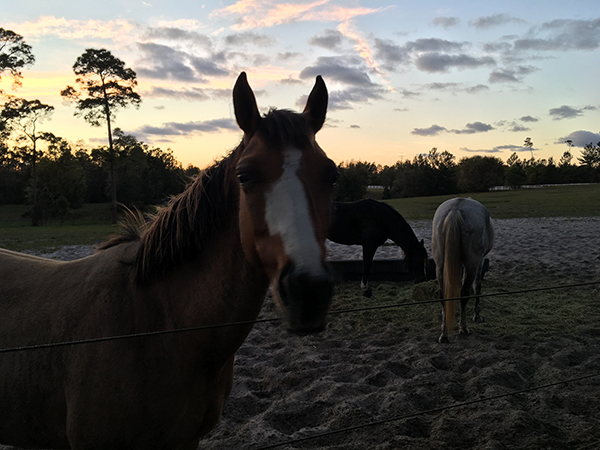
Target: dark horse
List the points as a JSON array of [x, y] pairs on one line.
[[256, 218], [370, 223]]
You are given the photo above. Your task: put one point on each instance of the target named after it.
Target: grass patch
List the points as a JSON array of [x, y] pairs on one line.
[[556, 201], [86, 226], [539, 315], [48, 238]]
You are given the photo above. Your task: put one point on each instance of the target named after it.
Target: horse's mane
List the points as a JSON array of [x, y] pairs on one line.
[[178, 232]]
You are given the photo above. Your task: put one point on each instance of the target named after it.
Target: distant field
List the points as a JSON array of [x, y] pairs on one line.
[[559, 201], [88, 225], [91, 224]]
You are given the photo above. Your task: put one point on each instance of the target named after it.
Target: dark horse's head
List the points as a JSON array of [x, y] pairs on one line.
[[286, 183], [416, 262]]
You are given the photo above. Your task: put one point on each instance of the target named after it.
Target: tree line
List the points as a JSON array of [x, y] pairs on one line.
[[438, 173], [54, 175]]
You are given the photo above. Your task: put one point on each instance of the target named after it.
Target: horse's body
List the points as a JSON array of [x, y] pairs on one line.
[[371, 223], [462, 235], [257, 217]]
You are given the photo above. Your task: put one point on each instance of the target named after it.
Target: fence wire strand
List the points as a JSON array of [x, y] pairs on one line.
[[275, 319], [340, 312], [427, 412]]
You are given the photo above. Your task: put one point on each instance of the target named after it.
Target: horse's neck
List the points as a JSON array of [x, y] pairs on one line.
[[218, 287], [402, 234]]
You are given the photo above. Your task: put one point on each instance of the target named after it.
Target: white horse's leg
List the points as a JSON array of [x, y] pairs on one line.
[[467, 289], [443, 339], [477, 317]]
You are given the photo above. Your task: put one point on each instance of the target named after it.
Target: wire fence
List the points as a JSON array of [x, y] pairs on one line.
[[375, 423], [276, 319]]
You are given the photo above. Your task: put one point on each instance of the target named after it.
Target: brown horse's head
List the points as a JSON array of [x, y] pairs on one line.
[[286, 183]]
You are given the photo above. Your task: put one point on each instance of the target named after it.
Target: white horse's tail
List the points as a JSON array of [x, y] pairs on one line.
[[452, 264]]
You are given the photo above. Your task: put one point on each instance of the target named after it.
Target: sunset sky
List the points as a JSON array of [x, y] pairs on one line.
[[470, 77]]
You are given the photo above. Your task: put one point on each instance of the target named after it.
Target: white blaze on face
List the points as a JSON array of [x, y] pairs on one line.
[[288, 215]]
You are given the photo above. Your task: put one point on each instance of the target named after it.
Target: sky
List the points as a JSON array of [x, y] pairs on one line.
[[469, 77]]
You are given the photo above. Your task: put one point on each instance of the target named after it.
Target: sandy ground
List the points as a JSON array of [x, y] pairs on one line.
[[288, 387]]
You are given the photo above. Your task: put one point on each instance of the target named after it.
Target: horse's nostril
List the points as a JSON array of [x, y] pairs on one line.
[[306, 298]]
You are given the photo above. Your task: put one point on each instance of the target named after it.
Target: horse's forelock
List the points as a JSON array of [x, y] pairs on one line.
[[282, 127]]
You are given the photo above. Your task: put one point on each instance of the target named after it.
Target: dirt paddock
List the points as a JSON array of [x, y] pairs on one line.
[[376, 366]]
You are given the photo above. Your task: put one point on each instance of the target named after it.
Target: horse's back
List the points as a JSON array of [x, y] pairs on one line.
[[477, 232], [360, 222]]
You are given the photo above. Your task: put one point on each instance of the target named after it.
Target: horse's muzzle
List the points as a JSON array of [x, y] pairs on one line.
[[305, 298]]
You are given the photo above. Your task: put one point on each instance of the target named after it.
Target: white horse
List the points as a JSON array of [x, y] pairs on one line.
[[461, 238]]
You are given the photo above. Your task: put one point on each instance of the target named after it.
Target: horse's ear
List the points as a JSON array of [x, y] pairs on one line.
[[244, 105], [316, 105]]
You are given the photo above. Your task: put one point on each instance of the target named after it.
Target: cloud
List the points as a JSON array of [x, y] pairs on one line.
[[475, 127], [510, 148], [512, 75], [347, 98], [446, 22], [193, 94], [455, 88], [330, 39], [441, 62], [291, 81], [452, 87], [493, 150], [185, 128], [262, 14], [581, 138], [178, 35], [164, 62], [119, 30], [391, 54], [248, 37], [288, 55], [345, 70], [529, 119], [562, 35], [477, 89], [568, 112], [470, 128], [518, 128], [409, 94], [434, 45], [361, 45], [494, 20], [433, 130]]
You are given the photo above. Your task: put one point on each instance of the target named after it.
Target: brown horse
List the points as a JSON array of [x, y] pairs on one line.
[[257, 217]]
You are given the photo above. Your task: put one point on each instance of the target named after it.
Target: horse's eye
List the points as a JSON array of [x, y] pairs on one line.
[[247, 177]]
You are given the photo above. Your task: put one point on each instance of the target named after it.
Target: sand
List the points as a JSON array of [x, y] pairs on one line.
[[289, 387]]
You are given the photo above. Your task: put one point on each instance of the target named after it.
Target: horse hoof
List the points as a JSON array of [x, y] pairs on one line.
[[464, 331], [443, 339], [367, 293]]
